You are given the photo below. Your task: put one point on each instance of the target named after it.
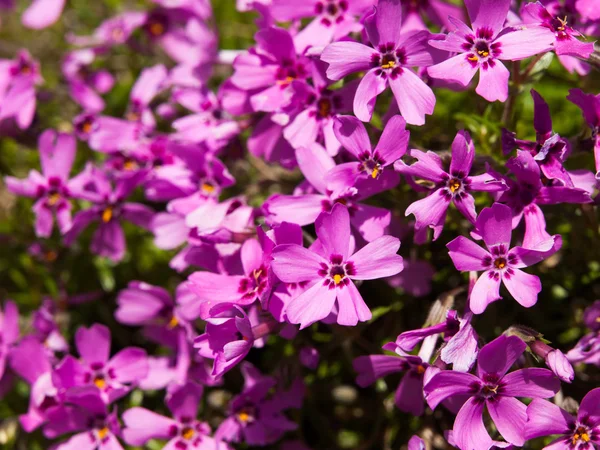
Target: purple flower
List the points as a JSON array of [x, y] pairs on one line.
[[84, 83], [352, 134], [549, 150], [409, 394], [577, 433], [588, 8], [257, 418], [17, 88], [9, 332], [85, 414], [213, 289], [331, 271], [269, 69], [590, 107], [494, 389], [304, 208], [320, 107], [565, 37], [334, 19], [150, 82], [453, 186], [30, 360], [500, 263], [416, 443], [389, 62], [52, 188], [227, 339], [109, 208], [587, 350], [183, 431], [42, 13], [528, 192], [438, 11], [556, 360], [482, 47], [112, 377], [591, 316]]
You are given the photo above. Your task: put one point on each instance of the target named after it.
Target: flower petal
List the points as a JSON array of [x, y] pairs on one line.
[[532, 382], [495, 225], [312, 305], [93, 343], [485, 291], [509, 416], [141, 425], [522, 286], [458, 69], [394, 140], [469, 431], [345, 58], [294, 264], [377, 259], [525, 42], [351, 306], [488, 13], [333, 231], [366, 94], [415, 99], [499, 355], [493, 82], [545, 418], [467, 255], [352, 134], [449, 383]]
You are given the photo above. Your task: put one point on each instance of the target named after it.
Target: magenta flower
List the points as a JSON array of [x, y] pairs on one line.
[[389, 62], [149, 84], [454, 186], [493, 388], [269, 69], [85, 414], [52, 188], [371, 162], [183, 431], [484, 46], [588, 8], [409, 394], [332, 270], [9, 332], [438, 11], [304, 207], [590, 108], [577, 433], [319, 108], [255, 416], [113, 377], [85, 84], [227, 340], [500, 263], [565, 37], [42, 13], [213, 289], [109, 208], [18, 78], [333, 19], [549, 150]]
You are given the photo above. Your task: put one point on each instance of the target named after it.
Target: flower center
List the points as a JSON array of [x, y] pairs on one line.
[[207, 187], [117, 34], [388, 61], [580, 434], [489, 390], [53, 198], [246, 415], [99, 381], [254, 284], [187, 433], [86, 126], [107, 214], [103, 432], [156, 29], [500, 263], [454, 185], [324, 107], [173, 322], [129, 164]]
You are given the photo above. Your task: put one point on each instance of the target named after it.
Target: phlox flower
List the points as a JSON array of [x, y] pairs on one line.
[[437, 11], [482, 47], [42, 13], [590, 108], [387, 63], [577, 433], [183, 431], [331, 271], [52, 189], [454, 186], [500, 263], [494, 389]]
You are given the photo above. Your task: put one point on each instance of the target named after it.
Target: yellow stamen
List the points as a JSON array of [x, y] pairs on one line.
[[375, 172], [86, 127], [53, 198], [473, 58], [107, 214], [129, 164], [173, 322], [187, 433], [99, 382], [388, 65], [285, 82], [500, 263], [244, 416], [598, 319], [257, 273], [103, 432], [337, 278], [483, 53], [207, 187], [581, 434], [454, 185], [157, 29], [420, 369]]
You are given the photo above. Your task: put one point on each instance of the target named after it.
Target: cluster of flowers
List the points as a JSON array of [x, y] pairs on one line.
[[261, 280]]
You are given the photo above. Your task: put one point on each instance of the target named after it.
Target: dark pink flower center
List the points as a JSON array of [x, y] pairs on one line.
[[481, 49], [331, 11], [371, 164], [336, 273], [254, 284], [389, 60]]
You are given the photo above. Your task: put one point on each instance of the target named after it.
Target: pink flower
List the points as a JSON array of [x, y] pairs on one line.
[[330, 271]]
